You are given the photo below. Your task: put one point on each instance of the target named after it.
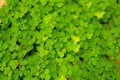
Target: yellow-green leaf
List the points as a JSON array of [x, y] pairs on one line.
[[89, 4], [62, 78], [75, 39], [76, 49], [99, 14]]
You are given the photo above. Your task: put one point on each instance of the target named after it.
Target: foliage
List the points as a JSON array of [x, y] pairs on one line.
[[59, 39]]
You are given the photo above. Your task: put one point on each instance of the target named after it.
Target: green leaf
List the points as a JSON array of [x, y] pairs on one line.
[[43, 2], [13, 64], [89, 35], [47, 18], [6, 70], [76, 49], [59, 5], [47, 77], [61, 54]]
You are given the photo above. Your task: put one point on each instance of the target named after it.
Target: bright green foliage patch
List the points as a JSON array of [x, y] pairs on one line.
[[59, 39]]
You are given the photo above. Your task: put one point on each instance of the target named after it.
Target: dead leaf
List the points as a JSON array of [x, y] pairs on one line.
[[2, 2], [118, 61], [0, 21]]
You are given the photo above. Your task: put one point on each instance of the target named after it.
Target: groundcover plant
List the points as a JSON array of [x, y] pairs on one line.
[[60, 40]]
